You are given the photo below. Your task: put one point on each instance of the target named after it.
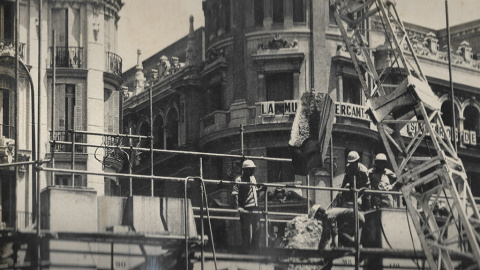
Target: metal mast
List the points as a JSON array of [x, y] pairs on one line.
[[429, 180]]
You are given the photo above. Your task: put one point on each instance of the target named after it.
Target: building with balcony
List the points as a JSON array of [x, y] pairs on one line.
[[87, 97]]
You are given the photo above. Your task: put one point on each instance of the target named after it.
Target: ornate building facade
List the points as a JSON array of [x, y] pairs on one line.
[[248, 67], [88, 77]]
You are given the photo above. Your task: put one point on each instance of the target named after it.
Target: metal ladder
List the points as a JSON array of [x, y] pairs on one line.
[[430, 179]]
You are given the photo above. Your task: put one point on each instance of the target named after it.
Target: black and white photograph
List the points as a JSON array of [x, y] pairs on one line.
[[239, 134]]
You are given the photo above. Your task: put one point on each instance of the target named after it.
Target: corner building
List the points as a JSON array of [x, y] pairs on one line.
[[88, 77], [251, 63]]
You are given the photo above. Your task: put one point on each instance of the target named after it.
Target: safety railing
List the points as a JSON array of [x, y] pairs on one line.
[[69, 57], [65, 135], [113, 63], [267, 215]]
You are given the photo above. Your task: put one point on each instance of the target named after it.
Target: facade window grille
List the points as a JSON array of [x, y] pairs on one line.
[[278, 15], [279, 86], [258, 12], [298, 11]]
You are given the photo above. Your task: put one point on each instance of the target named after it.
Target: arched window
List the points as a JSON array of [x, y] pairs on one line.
[[158, 133], [172, 129], [447, 114], [472, 119]]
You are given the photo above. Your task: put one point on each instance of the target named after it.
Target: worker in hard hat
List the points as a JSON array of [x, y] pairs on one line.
[[381, 178], [245, 199], [356, 175]]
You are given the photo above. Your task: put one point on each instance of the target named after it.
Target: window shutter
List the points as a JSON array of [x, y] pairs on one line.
[[79, 107], [60, 107], [116, 110]]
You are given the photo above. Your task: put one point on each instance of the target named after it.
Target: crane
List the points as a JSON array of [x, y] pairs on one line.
[[398, 94]]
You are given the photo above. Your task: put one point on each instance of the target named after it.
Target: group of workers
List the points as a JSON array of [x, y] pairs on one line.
[[357, 176]]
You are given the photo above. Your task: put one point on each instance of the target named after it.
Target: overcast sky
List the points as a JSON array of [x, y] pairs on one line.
[[151, 25]]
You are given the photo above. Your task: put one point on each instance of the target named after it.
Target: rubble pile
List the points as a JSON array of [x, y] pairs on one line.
[[306, 233]]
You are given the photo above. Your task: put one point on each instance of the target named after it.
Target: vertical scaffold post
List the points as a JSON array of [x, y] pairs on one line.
[[39, 88], [357, 236], [73, 155], [54, 78], [241, 140], [130, 180], [185, 207], [150, 100], [17, 77], [266, 218], [202, 191]]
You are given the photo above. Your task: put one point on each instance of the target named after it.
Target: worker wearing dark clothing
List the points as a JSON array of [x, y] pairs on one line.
[[381, 178], [355, 171], [245, 199]]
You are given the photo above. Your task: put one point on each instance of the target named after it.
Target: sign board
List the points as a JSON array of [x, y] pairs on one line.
[[272, 108], [351, 110], [468, 137]]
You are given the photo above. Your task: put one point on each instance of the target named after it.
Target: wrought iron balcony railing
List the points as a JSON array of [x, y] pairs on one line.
[[113, 63], [66, 136], [7, 47], [70, 57]]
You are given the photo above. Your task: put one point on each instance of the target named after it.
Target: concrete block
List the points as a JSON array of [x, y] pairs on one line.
[[156, 215], [110, 212], [69, 209]]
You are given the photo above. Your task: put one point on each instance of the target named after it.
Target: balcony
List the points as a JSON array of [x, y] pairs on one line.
[[66, 136], [7, 47], [68, 57], [113, 63]]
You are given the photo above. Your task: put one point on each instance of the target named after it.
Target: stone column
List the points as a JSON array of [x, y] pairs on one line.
[[262, 91], [339, 86], [296, 88], [267, 14], [460, 128], [288, 11]]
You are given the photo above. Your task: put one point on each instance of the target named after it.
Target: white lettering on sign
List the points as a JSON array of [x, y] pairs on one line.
[[468, 137], [291, 107], [351, 110], [268, 108], [272, 108]]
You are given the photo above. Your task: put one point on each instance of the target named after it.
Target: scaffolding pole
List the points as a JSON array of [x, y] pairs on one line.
[[39, 89]]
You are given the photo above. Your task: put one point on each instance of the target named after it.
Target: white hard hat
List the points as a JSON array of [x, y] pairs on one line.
[[353, 156], [248, 164], [381, 157]]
